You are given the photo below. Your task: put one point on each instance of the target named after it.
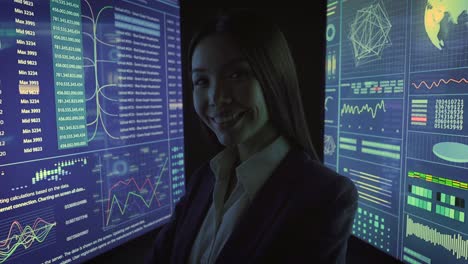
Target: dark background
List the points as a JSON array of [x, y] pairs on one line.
[[304, 28]]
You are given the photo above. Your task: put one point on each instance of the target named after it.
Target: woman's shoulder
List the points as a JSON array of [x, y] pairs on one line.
[[201, 175], [313, 177]]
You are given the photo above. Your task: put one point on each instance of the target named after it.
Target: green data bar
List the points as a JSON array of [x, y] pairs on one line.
[[385, 154], [348, 140], [419, 110], [348, 147], [380, 145], [417, 255]]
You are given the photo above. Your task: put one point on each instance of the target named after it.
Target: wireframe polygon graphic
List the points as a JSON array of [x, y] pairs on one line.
[[329, 145], [369, 33]]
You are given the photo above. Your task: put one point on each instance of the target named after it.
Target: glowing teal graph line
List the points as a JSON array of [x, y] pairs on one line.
[[98, 90], [354, 109]]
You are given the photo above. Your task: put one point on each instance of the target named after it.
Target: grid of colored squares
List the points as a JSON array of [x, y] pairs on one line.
[[371, 227], [420, 203], [420, 191], [451, 200], [450, 213]]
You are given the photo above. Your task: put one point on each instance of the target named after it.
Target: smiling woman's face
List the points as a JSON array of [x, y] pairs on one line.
[[227, 97]]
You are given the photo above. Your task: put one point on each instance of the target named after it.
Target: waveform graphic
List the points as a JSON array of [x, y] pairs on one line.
[[453, 243], [438, 83], [146, 187], [354, 109], [24, 237]]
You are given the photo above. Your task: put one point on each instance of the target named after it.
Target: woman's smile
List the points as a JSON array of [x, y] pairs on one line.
[[227, 120]]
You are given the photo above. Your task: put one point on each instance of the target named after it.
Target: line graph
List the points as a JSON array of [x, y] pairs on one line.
[[135, 182], [139, 195], [443, 82], [25, 234], [380, 117], [431, 85], [357, 110]]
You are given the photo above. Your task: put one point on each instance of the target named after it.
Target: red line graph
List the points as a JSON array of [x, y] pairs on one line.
[[127, 183], [139, 193], [438, 83]]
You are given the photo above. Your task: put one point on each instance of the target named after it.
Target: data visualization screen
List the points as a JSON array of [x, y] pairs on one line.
[[395, 122], [91, 125]]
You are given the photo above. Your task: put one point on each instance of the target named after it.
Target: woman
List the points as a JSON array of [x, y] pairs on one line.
[[265, 198]]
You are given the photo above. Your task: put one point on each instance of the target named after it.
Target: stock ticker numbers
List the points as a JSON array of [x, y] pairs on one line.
[[395, 122], [91, 125], [449, 114]]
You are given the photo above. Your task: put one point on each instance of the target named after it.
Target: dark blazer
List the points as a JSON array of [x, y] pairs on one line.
[[303, 214]]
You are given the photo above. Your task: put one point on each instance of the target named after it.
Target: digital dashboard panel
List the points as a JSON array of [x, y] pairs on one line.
[[91, 125], [395, 122]]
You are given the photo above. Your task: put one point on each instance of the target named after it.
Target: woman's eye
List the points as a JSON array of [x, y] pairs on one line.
[[235, 75], [200, 82], [238, 75]]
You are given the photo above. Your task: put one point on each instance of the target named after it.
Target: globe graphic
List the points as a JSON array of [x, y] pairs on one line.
[[435, 12]]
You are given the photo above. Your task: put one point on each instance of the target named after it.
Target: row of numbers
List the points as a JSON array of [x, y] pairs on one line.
[[174, 75], [449, 114]]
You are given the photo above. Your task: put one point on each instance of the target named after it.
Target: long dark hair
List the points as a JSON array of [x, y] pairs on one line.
[[267, 52]]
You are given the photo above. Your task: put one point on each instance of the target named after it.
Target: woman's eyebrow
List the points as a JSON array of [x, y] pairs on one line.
[[234, 62], [196, 70], [223, 66]]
